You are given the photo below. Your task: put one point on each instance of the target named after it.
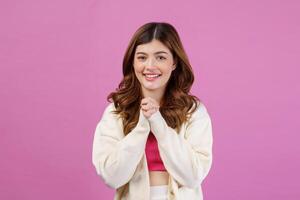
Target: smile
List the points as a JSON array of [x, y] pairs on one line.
[[151, 77]]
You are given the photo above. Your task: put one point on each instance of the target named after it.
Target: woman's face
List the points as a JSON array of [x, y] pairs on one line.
[[153, 64]]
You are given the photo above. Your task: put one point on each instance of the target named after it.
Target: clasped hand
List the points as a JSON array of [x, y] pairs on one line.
[[149, 106]]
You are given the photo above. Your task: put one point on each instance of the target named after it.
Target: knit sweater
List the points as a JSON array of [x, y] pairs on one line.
[[121, 160]]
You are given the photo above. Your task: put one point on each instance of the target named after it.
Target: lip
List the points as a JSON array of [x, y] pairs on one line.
[[150, 74], [151, 78]]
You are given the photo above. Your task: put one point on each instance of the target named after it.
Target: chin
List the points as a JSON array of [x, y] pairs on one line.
[[151, 88]]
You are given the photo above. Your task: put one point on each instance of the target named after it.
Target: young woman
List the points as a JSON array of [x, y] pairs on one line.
[[154, 140]]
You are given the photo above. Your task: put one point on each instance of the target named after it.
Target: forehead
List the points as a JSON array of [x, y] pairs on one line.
[[152, 47]]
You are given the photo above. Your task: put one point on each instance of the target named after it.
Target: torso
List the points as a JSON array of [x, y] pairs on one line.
[[158, 178]]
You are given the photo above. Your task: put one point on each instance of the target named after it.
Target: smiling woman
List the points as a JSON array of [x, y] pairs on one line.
[[154, 140], [153, 65]]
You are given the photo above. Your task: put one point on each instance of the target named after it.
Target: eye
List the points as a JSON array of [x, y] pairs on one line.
[[161, 58], [141, 57]]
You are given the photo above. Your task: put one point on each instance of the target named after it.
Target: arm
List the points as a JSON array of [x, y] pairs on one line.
[[116, 159], [187, 159]]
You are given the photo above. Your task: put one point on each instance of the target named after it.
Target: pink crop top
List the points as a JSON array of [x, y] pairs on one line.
[[152, 154]]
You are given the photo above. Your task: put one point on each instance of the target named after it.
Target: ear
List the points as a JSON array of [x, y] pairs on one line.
[[173, 66], [175, 63]]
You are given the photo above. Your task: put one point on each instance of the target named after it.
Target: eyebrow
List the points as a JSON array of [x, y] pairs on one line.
[[158, 52]]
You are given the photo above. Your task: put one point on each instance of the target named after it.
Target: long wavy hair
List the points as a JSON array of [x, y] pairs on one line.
[[177, 104]]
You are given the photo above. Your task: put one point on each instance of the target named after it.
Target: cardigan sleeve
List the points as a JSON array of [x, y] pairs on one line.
[[115, 158], [188, 159]]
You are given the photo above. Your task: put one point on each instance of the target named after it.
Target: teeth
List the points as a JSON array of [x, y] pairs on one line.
[[152, 76]]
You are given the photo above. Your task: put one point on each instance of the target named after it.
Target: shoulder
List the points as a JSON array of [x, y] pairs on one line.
[[109, 124], [109, 107], [200, 115], [109, 110], [201, 109], [199, 125]]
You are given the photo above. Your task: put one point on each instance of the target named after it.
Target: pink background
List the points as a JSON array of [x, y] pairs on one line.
[[59, 60]]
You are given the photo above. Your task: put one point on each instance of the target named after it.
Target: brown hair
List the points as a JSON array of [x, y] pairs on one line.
[[177, 102]]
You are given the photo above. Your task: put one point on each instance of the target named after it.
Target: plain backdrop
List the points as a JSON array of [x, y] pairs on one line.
[[60, 59]]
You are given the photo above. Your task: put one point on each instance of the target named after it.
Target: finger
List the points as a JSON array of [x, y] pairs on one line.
[[145, 101], [154, 102], [152, 111], [146, 107]]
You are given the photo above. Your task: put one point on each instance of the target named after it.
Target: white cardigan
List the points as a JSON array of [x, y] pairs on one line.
[[121, 161]]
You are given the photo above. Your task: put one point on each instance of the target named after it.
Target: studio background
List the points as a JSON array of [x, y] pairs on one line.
[[60, 59]]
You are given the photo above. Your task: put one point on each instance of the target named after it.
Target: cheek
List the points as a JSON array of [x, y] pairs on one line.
[[167, 71], [137, 68], [138, 73]]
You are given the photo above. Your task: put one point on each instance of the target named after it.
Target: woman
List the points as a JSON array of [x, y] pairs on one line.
[[154, 140]]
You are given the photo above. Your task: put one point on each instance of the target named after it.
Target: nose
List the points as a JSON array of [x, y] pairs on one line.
[[150, 63]]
